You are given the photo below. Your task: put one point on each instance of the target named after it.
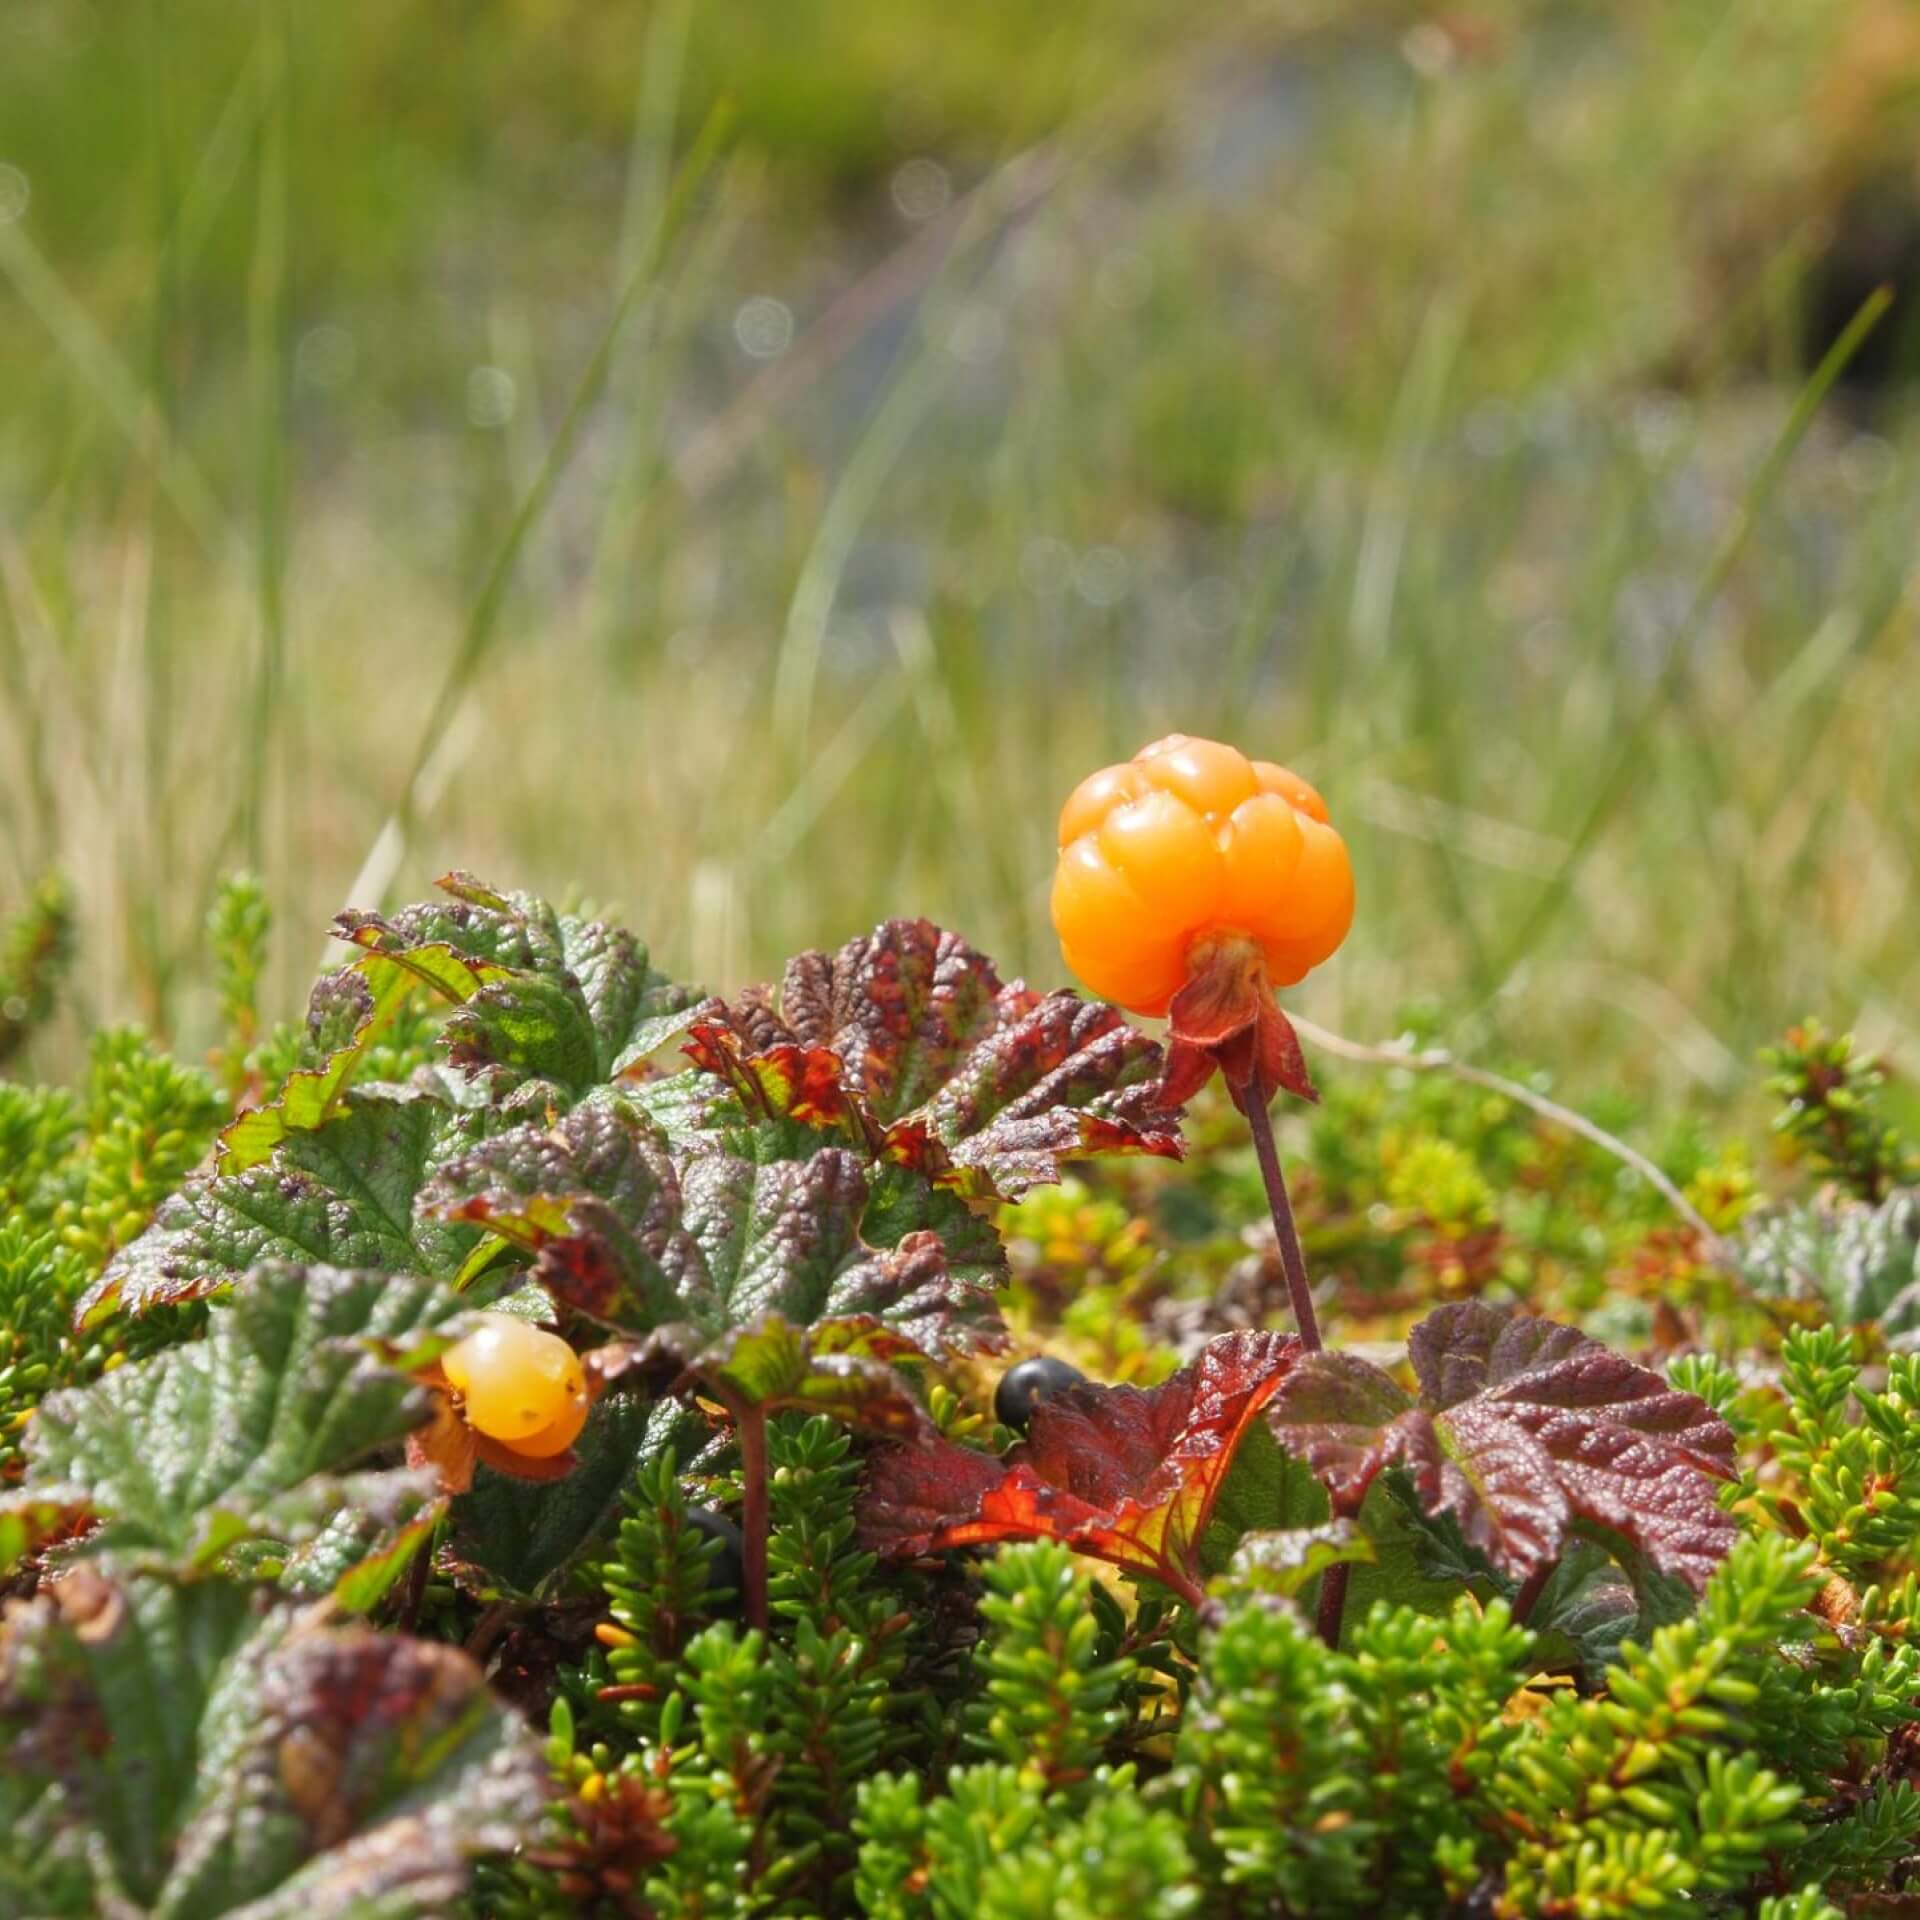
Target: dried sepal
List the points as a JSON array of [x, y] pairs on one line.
[[1226, 1019]]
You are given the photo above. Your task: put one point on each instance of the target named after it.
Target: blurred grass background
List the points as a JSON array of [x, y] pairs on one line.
[[744, 468]]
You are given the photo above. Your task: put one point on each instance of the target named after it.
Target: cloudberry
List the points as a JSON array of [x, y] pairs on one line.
[[1188, 847], [519, 1385]]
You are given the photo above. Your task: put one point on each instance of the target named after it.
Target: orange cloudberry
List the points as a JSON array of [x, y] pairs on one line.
[[1192, 882], [1190, 842], [512, 1395]]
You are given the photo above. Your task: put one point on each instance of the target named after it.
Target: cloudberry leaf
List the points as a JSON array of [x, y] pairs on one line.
[[346, 1016], [1266, 1491], [543, 997], [906, 1046], [842, 1368], [596, 1198], [628, 1237], [786, 1239], [1525, 1431], [250, 1432], [222, 1760], [634, 1009], [520, 1534], [521, 1030], [359, 1556], [341, 1195], [1588, 1604], [1125, 1474], [476, 921], [1286, 1560]]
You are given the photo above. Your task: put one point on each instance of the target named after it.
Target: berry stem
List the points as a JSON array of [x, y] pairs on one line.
[[488, 1628], [1333, 1603], [1528, 1597], [1253, 1103], [415, 1591], [751, 1423]]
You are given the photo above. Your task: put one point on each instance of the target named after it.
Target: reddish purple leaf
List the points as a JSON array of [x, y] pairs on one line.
[[906, 1045], [1524, 1429], [1124, 1474]]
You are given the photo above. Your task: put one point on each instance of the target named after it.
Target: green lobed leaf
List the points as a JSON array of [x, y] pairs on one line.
[[528, 1031], [544, 999], [1588, 1607], [1420, 1560], [1266, 1491], [596, 1198], [628, 1237], [341, 1195], [247, 1433], [359, 1556], [787, 1239], [837, 1367], [224, 1760], [349, 1012], [519, 1534]]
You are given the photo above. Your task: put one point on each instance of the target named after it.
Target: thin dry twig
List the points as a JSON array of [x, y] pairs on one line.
[[1439, 1060]]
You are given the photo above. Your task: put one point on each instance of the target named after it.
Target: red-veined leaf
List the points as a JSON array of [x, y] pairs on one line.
[[905, 1045], [1525, 1430], [1128, 1475]]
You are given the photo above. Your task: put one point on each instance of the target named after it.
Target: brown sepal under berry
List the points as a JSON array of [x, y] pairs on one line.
[[1225, 1018]]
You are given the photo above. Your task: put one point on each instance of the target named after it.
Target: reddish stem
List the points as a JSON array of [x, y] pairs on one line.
[[1253, 1103], [1179, 1581], [415, 1591], [1528, 1597], [751, 1423], [1333, 1603], [488, 1628]]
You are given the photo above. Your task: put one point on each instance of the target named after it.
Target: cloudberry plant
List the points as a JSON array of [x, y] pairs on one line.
[[1192, 882], [1557, 1696]]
